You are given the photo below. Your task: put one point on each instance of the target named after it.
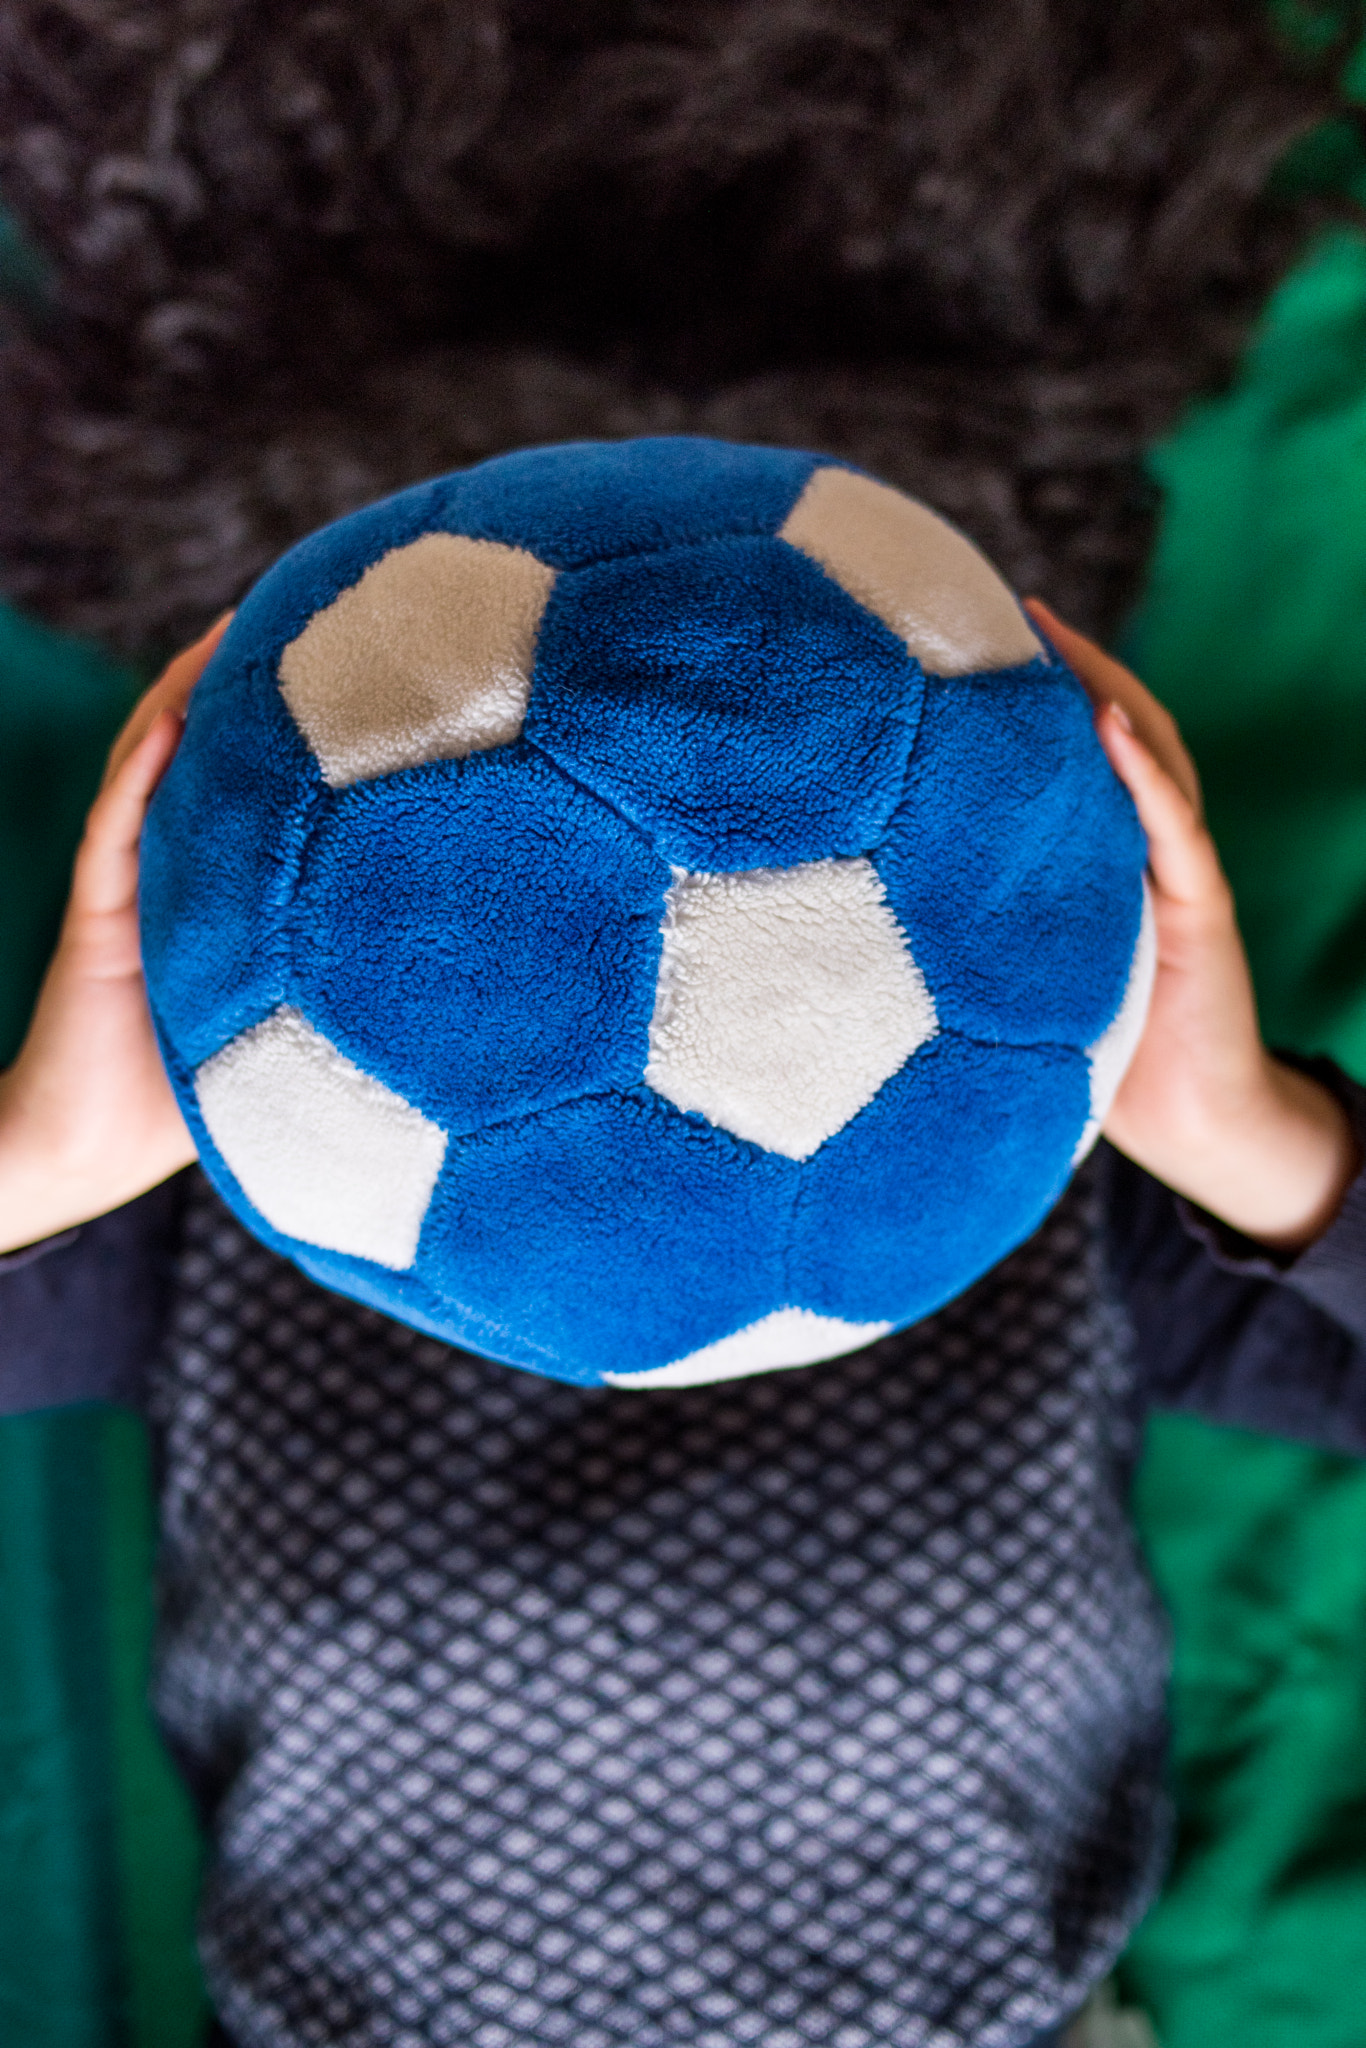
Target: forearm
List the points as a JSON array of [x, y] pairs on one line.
[[1271, 1157], [47, 1185], [70, 1150], [41, 1193]]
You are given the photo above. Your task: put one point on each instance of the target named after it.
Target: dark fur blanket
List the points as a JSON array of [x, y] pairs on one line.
[[302, 253]]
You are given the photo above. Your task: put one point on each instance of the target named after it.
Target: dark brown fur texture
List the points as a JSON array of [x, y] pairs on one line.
[[303, 253]]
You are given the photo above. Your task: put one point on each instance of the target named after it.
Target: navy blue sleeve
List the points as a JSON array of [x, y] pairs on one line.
[[82, 1314], [1225, 1331]]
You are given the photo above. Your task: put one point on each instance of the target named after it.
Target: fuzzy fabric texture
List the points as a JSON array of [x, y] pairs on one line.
[[326, 1151], [437, 640], [786, 997], [299, 256], [738, 994]]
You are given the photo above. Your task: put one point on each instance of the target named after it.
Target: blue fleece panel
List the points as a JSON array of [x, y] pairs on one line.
[[731, 700], [592, 500], [955, 1161], [610, 1235], [1014, 861], [481, 935], [218, 857]]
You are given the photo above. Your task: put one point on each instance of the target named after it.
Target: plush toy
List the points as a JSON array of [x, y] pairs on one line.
[[648, 912]]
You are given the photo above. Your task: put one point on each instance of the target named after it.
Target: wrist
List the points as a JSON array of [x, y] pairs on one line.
[[1272, 1160], [47, 1183]]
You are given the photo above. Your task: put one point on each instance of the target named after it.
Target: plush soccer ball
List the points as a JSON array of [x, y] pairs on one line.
[[647, 912]]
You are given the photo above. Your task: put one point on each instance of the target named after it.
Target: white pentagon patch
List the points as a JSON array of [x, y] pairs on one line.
[[1109, 1057], [786, 997], [913, 571], [428, 657], [788, 1337], [327, 1153]]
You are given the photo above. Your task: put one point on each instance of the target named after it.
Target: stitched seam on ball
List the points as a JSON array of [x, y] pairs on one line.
[[305, 816], [928, 676], [638, 1092], [667, 547], [529, 1116], [912, 744], [587, 789], [636, 553], [1012, 1044]]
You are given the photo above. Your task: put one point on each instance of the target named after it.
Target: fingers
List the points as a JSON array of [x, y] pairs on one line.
[[105, 879], [1107, 681], [1146, 751], [99, 936], [1181, 855], [170, 692]]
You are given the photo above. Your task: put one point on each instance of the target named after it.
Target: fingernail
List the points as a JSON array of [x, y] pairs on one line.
[[1122, 715]]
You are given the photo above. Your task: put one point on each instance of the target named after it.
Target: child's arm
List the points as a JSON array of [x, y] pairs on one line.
[[87, 1117], [1204, 1107]]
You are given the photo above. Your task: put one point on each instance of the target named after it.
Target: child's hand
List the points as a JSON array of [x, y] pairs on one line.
[[87, 1117], [1204, 1106]]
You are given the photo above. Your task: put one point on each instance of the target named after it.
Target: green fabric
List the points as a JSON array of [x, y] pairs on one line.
[[156, 1842], [98, 1853], [60, 705], [1254, 632], [60, 1974], [1260, 1937]]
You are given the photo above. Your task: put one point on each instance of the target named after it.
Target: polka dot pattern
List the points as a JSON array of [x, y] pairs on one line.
[[819, 1707]]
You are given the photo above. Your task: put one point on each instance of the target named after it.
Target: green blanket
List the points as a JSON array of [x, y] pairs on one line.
[[1255, 631], [98, 1856]]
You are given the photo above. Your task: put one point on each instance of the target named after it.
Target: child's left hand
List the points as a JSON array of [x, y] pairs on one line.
[[87, 1116], [1204, 1106]]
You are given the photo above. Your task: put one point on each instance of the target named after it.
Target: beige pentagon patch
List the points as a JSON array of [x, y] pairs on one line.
[[428, 657], [913, 571]]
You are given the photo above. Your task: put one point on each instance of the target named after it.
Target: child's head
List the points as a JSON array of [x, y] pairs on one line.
[[650, 911]]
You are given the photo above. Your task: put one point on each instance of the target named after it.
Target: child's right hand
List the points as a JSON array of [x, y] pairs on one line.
[[1204, 1106], [87, 1116]]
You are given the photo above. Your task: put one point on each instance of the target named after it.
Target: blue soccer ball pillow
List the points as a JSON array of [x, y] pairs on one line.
[[648, 912]]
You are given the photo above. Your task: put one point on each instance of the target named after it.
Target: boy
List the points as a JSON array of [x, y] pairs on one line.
[[826, 1706]]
